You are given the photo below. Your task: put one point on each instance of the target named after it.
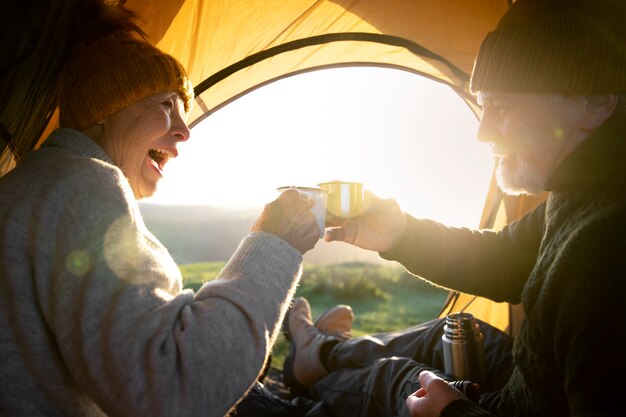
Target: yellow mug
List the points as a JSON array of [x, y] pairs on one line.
[[344, 199]]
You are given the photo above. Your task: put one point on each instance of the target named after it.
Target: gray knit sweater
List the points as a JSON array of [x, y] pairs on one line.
[[93, 318]]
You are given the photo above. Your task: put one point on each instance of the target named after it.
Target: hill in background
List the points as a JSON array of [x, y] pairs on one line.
[[200, 233]]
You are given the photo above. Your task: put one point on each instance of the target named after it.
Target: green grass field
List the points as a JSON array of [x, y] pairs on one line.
[[383, 297]]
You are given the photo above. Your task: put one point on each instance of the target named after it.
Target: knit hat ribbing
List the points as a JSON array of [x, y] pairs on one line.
[[113, 72], [555, 46]]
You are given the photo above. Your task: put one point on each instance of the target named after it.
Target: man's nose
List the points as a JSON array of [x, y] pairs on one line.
[[488, 130]]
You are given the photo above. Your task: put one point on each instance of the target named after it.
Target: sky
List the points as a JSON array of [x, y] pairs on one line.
[[403, 136]]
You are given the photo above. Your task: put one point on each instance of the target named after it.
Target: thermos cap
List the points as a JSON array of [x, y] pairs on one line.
[[461, 326]]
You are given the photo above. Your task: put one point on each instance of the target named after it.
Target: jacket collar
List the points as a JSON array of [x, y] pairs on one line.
[[77, 142], [600, 159]]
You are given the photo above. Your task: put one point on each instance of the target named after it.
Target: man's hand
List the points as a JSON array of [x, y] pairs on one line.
[[379, 226], [289, 217], [432, 397]]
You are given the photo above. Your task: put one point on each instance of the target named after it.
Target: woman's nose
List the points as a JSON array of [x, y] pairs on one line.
[[180, 129]]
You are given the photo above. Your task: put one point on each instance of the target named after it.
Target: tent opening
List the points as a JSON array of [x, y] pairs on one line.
[[402, 135]]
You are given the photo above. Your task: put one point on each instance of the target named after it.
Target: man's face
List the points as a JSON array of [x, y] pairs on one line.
[[530, 135], [142, 137]]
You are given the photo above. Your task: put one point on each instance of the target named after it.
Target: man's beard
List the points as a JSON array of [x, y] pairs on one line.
[[515, 176]]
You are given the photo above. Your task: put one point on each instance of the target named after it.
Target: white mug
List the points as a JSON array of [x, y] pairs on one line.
[[320, 197]]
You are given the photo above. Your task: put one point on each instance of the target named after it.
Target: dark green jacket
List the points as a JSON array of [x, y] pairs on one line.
[[566, 262]]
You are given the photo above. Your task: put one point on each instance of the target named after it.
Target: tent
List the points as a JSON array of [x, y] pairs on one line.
[[231, 47]]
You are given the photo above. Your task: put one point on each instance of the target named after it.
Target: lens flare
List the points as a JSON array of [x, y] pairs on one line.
[[78, 263]]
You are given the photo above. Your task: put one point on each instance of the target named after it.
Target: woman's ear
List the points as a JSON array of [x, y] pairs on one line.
[[599, 107]]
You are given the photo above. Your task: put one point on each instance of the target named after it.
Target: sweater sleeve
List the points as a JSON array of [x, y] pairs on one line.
[[491, 264], [130, 338], [464, 408]]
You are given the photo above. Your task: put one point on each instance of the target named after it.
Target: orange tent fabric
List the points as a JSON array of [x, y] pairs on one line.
[[231, 47]]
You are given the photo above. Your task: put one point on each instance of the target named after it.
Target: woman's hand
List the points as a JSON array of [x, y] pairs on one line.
[[432, 397], [379, 226], [289, 217]]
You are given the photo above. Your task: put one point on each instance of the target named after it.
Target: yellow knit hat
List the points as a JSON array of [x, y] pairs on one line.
[[555, 46], [113, 72]]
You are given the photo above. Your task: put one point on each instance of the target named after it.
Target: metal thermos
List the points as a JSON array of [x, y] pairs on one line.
[[463, 350]]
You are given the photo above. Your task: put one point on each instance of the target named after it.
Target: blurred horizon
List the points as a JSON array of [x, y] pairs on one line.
[[403, 136]]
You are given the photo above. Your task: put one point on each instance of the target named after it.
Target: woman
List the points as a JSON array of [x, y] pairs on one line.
[[93, 318]]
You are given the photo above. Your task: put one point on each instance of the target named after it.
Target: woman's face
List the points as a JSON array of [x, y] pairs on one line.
[[143, 137]]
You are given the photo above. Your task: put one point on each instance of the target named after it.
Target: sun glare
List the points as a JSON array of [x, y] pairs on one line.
[[401, 135]]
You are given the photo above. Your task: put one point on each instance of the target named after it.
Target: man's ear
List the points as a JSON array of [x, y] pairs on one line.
[[599, 108]]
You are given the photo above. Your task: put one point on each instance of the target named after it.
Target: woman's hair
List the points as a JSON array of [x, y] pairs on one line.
[[111, 67], [94, 19]]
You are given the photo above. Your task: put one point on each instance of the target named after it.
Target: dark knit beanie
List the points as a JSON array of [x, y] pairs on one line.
[[113, 72], [555, 46]]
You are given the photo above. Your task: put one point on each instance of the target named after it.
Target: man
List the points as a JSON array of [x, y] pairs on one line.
[[551, 79]]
